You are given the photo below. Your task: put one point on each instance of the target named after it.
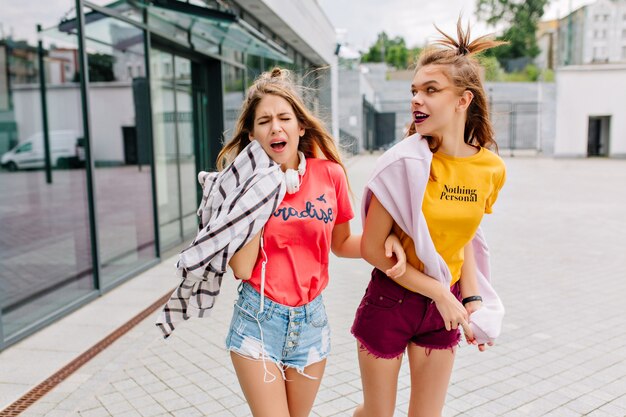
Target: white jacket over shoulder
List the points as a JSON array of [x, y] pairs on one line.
[[399, 183]]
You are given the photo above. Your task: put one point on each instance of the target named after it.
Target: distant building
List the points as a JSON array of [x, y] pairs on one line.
[[63, 63], [595, 33], [547, 41], [596, 124]]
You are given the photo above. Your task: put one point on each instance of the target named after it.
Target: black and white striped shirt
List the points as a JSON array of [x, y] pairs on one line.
[[236, 204]]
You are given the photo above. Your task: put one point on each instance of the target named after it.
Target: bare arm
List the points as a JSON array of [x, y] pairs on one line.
[[378, 224], [343, 243], [346, 245], [243, 261], [469, 285]]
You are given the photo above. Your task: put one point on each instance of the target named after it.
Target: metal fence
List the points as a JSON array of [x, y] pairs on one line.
[[348, 143], [517, 125]]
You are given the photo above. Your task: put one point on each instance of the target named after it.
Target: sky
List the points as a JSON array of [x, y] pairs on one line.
[[359, 21], [362, 20]]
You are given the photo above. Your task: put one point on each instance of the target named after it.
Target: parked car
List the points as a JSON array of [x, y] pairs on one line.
[[66, 150]]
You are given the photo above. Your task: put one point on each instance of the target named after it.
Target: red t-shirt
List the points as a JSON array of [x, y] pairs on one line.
[[297, 236]]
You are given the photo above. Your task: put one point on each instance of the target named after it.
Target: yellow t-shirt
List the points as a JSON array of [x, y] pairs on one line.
[[454, 203]]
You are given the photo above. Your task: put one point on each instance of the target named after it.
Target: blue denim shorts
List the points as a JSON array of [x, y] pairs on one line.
[[290, 337]]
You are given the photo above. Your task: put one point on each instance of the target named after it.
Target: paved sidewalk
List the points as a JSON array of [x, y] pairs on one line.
[[558, 242]]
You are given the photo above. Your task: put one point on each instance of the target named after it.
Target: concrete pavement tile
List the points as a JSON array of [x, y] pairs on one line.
[[620, 401], [188, 390], [140, 402], [11, 391], [326, 395], [40, 408], [458, 390], [125, 385], [187, 412], [334, 406], [537, 407], [220, 392], [152, 410], [556, 398], [468, 401], [600, 413], [562, 412], [119, 407], [223, 413], [134, 392], [130, 413], [477, 412], [487, 393], [209, 408], [95, 412], [111, 398], [514, 413], [241, 410], [585, 404], [60, 413], [345, 389], [154, 386], [613, 409], [231, 401]]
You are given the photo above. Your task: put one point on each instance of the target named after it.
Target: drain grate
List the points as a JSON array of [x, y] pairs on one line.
[[28, 399]]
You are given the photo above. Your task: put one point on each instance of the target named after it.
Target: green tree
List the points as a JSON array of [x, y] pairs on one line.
[[392, 51], [100, 68], [520, 18], [493, 70]]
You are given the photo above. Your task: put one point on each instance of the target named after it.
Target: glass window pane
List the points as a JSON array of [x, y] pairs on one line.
[[165, 146], [120, 138], [172, 104], [187, 158], [45, 250], [233, 82]]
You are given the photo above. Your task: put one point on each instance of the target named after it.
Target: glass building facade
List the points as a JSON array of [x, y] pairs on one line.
[[107, 112]]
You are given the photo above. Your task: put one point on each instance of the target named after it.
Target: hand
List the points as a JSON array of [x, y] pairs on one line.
[[473, 306], [469, 337], [481, 347], [393, 246], [453, 313]]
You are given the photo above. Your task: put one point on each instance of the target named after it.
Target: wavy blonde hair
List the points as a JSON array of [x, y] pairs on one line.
[[278, 82], [458, 60]]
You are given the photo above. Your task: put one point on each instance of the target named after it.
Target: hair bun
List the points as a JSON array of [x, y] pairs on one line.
[[276, 73]]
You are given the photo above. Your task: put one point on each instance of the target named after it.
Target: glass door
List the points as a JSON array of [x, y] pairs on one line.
[[175, 161]]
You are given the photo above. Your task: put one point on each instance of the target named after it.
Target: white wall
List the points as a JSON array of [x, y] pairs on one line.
[[308, 21], [584, 91], [111, 108]]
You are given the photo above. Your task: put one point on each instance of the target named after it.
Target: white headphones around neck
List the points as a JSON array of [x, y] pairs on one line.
[[292, 177]]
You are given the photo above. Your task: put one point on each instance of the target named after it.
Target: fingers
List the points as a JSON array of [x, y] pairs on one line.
[[394, 271], [469, 334], [399, 268], [482, 347], [388, 246]]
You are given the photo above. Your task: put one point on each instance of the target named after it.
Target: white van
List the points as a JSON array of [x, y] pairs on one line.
[[66, 150]]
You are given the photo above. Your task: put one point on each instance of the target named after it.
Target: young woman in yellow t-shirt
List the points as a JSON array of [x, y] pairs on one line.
[[415, 312]]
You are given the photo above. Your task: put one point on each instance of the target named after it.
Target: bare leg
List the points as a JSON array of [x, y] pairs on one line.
[[266, 399], [301, 391], [380, 384], [430, 376]]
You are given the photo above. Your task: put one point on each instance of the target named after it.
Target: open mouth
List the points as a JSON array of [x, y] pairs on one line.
[[278, 145], [419, 117]]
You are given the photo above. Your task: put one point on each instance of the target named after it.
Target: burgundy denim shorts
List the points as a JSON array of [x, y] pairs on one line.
[[390, 316]]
